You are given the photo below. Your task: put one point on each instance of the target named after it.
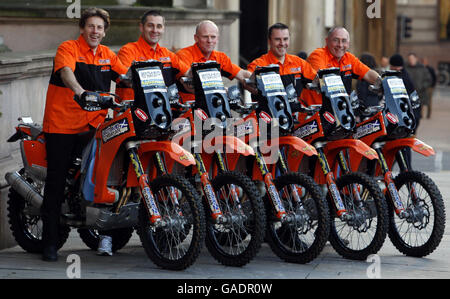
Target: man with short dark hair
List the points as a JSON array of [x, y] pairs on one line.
[[152, 27], [293, 69], [79, 65]]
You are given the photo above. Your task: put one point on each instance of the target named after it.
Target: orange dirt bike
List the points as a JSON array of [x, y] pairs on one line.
[[297, 211], [358, 209], [108, 186], [416, 207], [235, 215]]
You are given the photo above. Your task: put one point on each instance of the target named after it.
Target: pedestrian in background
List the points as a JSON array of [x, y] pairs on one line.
[[384, 65], [421, 78], [430, 89]]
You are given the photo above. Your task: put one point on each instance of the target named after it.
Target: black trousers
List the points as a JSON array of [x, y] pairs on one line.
[[61, 149]]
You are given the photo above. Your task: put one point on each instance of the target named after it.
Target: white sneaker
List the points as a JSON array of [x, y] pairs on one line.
[[105, 246]]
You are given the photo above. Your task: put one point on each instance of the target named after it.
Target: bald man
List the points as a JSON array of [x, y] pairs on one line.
[[206, 37], [335, 54]]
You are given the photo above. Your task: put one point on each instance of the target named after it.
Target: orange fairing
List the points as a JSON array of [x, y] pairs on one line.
[[233, 145], [176, 152], [392, 147], [35, 153], [333, 148]]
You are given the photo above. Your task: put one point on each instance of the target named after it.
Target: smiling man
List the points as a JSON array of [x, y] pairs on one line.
[[152, 27], [335, 54], [206, 37], [293, 69], [79, 65]]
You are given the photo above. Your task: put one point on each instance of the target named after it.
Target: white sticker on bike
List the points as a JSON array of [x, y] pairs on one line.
[[151, 77]]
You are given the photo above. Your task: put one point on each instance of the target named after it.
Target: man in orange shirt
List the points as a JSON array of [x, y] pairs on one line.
[[335, 54], [206, 37], [147, 47], [293, 69], [79, 65]]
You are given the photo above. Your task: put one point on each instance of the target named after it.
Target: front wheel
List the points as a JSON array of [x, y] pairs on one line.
[[420, 233], [364, 231], [302, 238], [236, 240], [177, 243]]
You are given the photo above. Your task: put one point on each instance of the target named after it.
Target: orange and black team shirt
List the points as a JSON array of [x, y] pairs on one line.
[[351, 67], [294, 70], [93, 72], [173, 67], [192, 54]]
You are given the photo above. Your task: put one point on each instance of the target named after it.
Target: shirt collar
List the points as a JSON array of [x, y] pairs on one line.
[[332, 58], [144, 45], [198, 53], [274, 60], [84, 47]]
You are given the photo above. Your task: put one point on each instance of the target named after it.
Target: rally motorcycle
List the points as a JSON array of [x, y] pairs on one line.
[[416, 207], [108, 185], [297, 211], [358, 209], [235, 219]]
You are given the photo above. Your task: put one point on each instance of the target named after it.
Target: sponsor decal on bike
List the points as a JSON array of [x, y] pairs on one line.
[[212, 199], [141, 114], [150, 200], [265, 117], [329, 117], [367, 129], [393, 119], [202, 114], [336, 197], [116, 129], [151, 77], [274, 195], [272, 82], [244, 129], [211, 79], [307, 130]]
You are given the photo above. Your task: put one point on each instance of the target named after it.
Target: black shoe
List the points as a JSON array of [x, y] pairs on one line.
[[50, 254]]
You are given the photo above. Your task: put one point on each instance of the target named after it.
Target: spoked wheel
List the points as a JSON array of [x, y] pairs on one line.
[[301, 238], [177, 243], [364, 231], [420, 233], [26, 224], [237, 238], [120, 237]]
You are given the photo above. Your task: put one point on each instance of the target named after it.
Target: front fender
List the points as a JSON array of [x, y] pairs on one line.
[[415, 144], [333, 148], [391, 149], [232, 145], [175, 151]]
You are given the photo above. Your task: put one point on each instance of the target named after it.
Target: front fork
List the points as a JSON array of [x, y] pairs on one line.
[[270, 186], [208, 190], [147, 194], [389, 181], [331, 183]]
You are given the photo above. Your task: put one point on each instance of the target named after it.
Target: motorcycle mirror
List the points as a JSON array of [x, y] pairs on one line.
[[415, 102], [354, 100], [291, 93], [233, 93], [172, 91]]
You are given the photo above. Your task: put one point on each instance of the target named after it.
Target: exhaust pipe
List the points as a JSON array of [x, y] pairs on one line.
[[21, 186]]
